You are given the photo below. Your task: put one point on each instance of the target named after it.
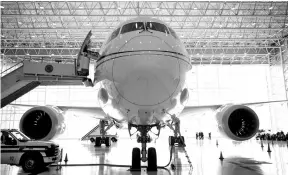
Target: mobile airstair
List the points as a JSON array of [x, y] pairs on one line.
[[27, 75]]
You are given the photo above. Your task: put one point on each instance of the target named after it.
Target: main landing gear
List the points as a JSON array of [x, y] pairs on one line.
[[177, 138], [143, 155], [104, 127]]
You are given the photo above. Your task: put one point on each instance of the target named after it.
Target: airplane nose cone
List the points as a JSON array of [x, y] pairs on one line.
[[146, 77]]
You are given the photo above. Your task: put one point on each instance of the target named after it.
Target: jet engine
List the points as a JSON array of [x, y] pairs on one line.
[[42, 123], [237, 122]]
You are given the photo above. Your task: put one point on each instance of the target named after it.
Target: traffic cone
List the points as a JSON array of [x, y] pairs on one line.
[[221, 156], [269, 150], [66, 158]]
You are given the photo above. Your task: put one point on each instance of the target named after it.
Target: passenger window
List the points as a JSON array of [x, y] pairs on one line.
[[114, 35], [157, 26], [132, 27], [173, 33]]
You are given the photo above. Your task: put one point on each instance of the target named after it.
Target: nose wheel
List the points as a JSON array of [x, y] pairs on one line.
[[136, 160], [150, 156], [152, 159]]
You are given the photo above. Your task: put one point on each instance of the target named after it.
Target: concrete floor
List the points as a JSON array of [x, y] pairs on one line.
[[239, 158]]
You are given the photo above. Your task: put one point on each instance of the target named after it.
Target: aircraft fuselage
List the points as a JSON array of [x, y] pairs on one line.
[[142, 73]]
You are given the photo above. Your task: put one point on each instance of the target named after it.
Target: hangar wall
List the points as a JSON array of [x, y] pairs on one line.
[[208, 84]]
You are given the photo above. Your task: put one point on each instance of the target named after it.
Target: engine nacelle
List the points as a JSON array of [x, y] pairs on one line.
[[42, 123], [237, 122]]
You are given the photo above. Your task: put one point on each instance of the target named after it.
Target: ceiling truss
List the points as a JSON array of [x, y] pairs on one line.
[[213, 32]]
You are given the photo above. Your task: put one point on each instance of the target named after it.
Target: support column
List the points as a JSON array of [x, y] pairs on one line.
[[284, 62], [278, 87]]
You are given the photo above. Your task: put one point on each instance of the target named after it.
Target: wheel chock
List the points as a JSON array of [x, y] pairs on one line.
[[221, 156]]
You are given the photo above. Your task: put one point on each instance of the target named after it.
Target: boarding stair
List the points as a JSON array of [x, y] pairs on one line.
[[86, 136], [27, 75], [96, 132]]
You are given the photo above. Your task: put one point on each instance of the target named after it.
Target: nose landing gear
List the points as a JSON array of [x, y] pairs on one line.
[[143, 155]]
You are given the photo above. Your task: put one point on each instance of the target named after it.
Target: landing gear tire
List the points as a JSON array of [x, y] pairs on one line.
[[98, 141], [136, 160], [152, 159], [107, 141], [171, 141]]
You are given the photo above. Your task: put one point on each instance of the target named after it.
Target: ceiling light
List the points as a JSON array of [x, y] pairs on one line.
[[233, 8], [16, 46], [119, 8], [157, 8], [1, 7], [2, 36], [270, 8], [80, 7], [43, 46], [41, 7], [195, 8], [19, 22], [27, 54], [2, 53]]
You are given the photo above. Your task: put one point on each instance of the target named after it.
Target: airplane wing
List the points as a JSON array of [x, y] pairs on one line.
[[98, 113], [95, 112], [193, 110]]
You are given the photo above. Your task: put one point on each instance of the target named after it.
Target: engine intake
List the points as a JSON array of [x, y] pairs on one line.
[[42, 123], [237, 122]]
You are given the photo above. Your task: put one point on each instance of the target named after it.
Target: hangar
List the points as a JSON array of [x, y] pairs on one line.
[[238, 52]]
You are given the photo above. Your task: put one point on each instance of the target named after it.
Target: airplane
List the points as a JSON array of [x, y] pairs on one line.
[[141, 68]]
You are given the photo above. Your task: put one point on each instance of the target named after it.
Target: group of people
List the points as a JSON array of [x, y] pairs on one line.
[[200, 135], [279, 136]]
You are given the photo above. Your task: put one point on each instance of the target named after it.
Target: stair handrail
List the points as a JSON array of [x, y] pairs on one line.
[[10, 69], [92, 130]]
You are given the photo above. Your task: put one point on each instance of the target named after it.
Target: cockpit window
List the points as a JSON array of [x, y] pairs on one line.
[[157, 26], [173, 33], [132, 27], [114, 35]]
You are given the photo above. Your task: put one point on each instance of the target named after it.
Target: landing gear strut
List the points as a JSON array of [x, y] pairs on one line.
[[104, 127], [143, 155], [177, 138]]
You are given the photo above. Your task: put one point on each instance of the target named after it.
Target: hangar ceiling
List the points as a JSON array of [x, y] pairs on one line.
[[213, 32]]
